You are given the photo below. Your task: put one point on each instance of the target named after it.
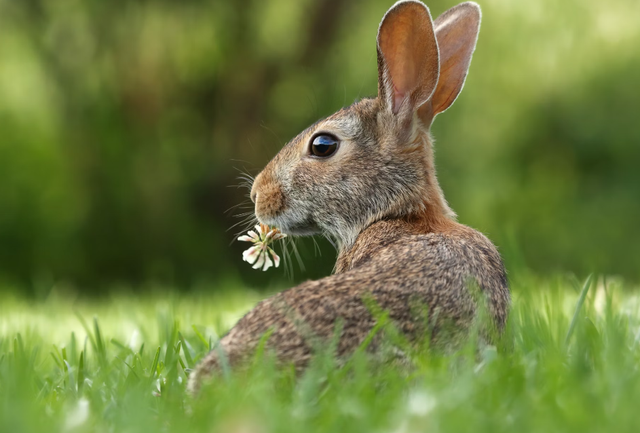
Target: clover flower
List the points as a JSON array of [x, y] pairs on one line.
[[258, 254]]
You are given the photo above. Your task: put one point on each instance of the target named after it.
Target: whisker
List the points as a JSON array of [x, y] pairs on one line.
[[240, 185], [240, 160], [248, 225], [286, 258], [245, 224], [331, 241], [316, 248], [272, 132], [289, 270], [245, 176], [245, 182], [298, 256], [244, 173], [242, 205], [248, 219], [243, 214]]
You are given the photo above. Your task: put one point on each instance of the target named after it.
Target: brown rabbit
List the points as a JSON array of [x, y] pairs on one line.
[[365, 176]]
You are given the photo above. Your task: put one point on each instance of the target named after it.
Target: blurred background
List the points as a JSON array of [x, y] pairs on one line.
[[124, 126]]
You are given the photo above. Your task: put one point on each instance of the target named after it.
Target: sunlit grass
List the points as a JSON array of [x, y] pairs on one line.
[[121, 364]]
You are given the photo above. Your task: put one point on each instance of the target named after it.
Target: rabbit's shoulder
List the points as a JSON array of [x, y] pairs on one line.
[[395, 243]]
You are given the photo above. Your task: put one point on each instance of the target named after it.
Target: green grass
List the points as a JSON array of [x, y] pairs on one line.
[[565, 363]]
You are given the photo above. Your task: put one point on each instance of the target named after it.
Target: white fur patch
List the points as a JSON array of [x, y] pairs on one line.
[[345, 127]]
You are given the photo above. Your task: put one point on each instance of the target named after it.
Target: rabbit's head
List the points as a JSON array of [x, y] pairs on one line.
[[374, 160]]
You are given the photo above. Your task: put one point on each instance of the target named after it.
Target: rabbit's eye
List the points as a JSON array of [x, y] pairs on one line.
[[324, 145]]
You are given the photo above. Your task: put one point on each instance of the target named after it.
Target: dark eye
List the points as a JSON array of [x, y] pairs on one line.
[[324, 145]]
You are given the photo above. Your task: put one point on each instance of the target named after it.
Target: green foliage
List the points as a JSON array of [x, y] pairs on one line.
[[126, 370], [122, 125]]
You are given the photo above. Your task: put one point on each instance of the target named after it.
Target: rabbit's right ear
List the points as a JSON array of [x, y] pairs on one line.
[[407, 59], [457, 33]]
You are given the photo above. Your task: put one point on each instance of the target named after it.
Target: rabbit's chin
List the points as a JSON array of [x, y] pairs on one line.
[[291, 226]]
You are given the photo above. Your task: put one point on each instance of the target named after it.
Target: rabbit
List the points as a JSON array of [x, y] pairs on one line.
[[365, 176]]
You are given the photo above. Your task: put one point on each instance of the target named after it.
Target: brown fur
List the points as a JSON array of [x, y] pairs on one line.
[[272, 201], [379, 198]]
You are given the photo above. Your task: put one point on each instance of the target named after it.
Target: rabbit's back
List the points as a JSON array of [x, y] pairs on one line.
[[423, 281], [444, 266]]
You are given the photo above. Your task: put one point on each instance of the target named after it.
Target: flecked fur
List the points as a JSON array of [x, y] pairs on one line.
[[379, 198]]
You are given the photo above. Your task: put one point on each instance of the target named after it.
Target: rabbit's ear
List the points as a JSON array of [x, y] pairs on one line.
[[407, 58], [457, 33]]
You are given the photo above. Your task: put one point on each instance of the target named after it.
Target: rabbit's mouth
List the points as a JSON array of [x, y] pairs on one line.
[[294, 225], [301, 229]]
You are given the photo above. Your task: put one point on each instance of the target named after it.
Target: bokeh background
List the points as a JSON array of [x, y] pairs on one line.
[[124, 126]]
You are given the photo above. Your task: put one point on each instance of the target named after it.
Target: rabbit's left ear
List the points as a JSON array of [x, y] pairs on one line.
[[408, 62]]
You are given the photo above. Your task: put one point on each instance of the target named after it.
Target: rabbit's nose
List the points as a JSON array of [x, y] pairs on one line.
[[254, 188]]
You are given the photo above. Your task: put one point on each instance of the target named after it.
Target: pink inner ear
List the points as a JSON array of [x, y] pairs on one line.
[[398, 98], [409, 55]]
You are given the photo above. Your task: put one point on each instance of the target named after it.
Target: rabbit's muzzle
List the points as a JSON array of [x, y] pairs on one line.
[[267, 196]]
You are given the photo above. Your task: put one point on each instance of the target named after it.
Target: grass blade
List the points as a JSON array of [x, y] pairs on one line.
[[154, 366], [81, 372], [583, 296], [55, 358], [64, 360], [102, 351], [119, 345], [186, 351], [88, 331], [200, 336]]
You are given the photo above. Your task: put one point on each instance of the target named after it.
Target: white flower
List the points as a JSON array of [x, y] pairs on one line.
[[276, 258], [258, 254], [251, 254]]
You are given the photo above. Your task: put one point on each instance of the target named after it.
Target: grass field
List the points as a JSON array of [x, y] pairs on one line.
[[118, 365]]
